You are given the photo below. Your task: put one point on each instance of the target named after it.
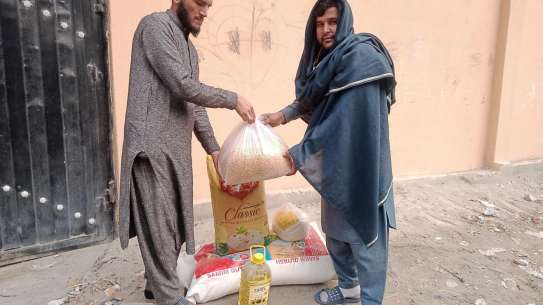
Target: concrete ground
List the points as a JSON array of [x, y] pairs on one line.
[[446, 251]]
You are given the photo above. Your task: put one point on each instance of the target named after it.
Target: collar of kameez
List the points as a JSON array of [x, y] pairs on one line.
[[178, 22]]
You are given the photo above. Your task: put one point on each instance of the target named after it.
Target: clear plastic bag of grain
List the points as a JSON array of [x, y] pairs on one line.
[[290, 223], [253, 152]]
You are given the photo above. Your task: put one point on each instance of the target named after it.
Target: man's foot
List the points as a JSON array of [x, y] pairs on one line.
[[184, 301], [148, 294], [333, 296]]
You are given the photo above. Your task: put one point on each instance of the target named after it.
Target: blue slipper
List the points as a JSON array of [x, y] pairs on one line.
[[333, 296]]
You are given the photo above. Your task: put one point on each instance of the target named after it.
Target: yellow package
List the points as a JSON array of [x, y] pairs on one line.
[[290, 223], [239, 213]]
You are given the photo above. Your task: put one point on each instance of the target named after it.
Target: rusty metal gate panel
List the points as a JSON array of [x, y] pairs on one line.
[[56, 174]]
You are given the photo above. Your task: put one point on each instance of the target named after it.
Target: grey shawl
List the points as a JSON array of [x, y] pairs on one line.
[[165, 105]]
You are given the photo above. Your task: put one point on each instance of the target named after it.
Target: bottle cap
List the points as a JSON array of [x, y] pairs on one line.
[[258, 258]]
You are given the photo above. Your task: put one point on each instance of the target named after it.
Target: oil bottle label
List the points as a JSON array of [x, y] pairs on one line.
[[258, 295]]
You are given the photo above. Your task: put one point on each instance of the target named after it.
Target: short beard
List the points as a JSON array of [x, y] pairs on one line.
[[184, 18]]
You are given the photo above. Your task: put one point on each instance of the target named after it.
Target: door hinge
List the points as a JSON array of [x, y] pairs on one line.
[[107, 200], [99, 6], [111, 193]]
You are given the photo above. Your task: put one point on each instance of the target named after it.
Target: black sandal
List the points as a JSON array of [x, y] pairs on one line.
[[333, 297], [148, 294]]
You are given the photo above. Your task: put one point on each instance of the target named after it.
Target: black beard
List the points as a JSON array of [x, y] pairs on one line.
[[184, 18]]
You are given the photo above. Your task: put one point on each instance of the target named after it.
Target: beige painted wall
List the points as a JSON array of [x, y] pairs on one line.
[[520, 125], [444, 54], [445, 58]]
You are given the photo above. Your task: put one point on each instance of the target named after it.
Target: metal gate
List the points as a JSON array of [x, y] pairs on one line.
[[56, 174]]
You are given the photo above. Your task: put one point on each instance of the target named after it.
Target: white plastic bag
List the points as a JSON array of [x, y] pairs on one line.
[[253, 152], [291, 263], [290, 223]]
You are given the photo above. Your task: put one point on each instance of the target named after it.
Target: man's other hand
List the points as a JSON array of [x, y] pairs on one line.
[[215, 156], [273, 119], [245, 110], [293, 170]]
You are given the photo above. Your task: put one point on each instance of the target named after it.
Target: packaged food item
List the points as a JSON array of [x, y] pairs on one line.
[[290, 223], [255, 279], [253, 152], [239, 213]]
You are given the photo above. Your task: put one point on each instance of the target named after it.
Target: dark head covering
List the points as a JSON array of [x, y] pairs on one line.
[[312, 46], [313, 83]]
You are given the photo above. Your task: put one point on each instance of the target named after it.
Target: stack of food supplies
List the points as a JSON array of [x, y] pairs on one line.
[[295, 250], [209, 276], [253, 152]]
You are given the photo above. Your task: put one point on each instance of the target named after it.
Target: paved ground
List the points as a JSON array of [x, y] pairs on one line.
[[446, 251]]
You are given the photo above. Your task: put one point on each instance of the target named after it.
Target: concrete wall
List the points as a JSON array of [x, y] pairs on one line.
[[450, 116]]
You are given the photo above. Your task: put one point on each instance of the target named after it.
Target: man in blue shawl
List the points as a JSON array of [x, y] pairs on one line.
[[344, 90]]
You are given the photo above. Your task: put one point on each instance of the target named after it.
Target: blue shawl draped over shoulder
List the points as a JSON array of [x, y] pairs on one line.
[[345, 152]]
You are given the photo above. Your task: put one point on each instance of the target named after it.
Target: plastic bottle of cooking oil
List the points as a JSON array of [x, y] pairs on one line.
[[255, 280]]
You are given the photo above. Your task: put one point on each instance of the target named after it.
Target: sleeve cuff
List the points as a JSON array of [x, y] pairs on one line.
[[290, 114], [231, 99]]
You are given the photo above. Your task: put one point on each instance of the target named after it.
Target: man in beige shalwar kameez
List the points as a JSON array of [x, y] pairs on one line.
[[165, 105]]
